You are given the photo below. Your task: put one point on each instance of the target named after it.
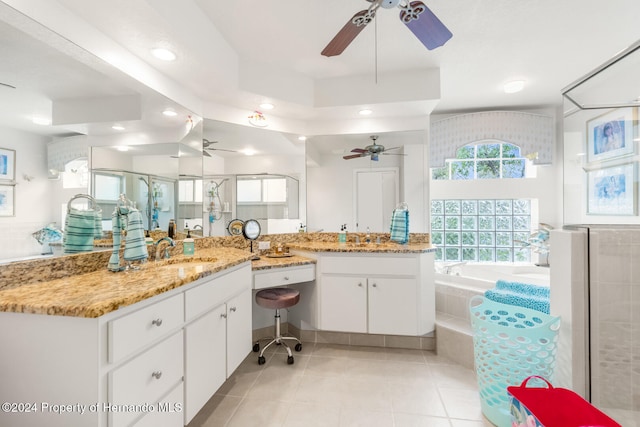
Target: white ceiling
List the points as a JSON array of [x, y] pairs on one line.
[[234, 55]]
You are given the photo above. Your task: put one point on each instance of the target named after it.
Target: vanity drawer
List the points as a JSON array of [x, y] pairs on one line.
[[216, 291], [146, 378], [168, 411], [135, 330], [284, 276]]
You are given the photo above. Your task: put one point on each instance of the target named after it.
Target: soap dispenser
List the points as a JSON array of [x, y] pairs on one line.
[[148, 240], [188, 244], [342, 236]]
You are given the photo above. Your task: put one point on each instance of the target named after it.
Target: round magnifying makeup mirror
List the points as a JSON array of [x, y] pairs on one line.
[[251, 231]]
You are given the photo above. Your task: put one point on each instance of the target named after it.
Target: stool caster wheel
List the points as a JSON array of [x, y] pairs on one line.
[[290, 360], [261, 360], [298, 347], [256, 347]]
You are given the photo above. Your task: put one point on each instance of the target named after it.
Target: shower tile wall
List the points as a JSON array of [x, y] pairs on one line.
[[615, 320]]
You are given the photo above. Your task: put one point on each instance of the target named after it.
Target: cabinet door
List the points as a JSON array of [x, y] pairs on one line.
[[392, 306], [205, 356], [343, 304], [239, 330]]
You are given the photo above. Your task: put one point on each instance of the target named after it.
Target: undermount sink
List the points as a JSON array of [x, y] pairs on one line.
[[183, 265]]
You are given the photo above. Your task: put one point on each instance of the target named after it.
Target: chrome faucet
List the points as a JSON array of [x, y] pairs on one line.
[[166, 250], [197, 227], [448, 269]]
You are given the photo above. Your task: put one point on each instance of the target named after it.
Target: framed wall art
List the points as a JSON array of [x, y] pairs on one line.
[[7, 164], [7, 200], [611, 135], [611, 190]]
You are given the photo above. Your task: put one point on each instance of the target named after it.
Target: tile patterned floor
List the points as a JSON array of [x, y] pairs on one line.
[[340, 386]]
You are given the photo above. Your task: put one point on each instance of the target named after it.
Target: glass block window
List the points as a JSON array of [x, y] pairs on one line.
[[481, 230], [489, 160]]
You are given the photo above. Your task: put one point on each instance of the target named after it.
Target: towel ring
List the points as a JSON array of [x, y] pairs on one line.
[[93, 203], [124, 205]]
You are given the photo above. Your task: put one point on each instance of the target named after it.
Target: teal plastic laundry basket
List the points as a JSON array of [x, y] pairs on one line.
[[510, 343]]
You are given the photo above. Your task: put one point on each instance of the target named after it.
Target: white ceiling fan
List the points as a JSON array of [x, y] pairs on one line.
[[373, 151]]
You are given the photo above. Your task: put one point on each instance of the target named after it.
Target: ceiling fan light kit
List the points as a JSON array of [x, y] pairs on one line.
[[420, 20]]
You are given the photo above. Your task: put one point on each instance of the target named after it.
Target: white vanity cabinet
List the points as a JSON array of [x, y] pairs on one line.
[[390, 294], [169, 352], [218, 337]]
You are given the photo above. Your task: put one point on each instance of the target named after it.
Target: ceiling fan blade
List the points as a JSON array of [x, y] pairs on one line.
[[425, 25], [348, 33], [359, 150], [221, 149], [206, 154], [353, 156], [392, 148]]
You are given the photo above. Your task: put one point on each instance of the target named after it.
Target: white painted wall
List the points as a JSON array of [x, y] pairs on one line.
[[33, 199]]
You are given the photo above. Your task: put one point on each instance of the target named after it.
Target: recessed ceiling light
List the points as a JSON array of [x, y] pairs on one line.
[[514, 86], [122, 148], [267, 106], [169, 112], [365, 112], [248, 152], [43, 121], [163, 54], [302, 138], [117, 127]]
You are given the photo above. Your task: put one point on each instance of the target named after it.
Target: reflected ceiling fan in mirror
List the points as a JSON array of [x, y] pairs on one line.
[[372, 150], [208, 146], [422, 22]]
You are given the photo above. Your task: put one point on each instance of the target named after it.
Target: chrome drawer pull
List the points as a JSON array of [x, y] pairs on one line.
[[223, 315], [286, 277], [232, 309], [156, 374], [360, 284], [156, 322]]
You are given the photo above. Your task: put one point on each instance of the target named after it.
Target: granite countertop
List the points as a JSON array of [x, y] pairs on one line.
[[373, 247], [265, 262], [100, 292], [81, 286]]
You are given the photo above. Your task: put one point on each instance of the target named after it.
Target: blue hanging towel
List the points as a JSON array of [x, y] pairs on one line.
[[400, 225], [114, 260], [79, 229], [135, 248]]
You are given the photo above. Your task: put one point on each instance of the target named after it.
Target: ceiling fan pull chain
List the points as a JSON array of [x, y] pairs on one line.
[[375, 55]]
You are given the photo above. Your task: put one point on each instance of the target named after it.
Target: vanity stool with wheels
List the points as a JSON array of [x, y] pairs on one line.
[[277, 299]]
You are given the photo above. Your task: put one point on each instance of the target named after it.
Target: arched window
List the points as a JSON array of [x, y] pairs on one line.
[[485, 160]]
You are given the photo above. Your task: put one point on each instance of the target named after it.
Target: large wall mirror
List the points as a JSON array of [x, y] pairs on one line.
[[87, 110], [362, 192], [252, 173]]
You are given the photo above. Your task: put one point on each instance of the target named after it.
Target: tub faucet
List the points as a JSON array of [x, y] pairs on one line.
[[448, 269], [166, 250]]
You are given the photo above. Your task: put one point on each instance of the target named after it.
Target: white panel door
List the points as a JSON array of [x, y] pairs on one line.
[[376, 197]]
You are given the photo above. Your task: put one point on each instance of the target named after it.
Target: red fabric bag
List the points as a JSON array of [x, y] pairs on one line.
[[553, 407]]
